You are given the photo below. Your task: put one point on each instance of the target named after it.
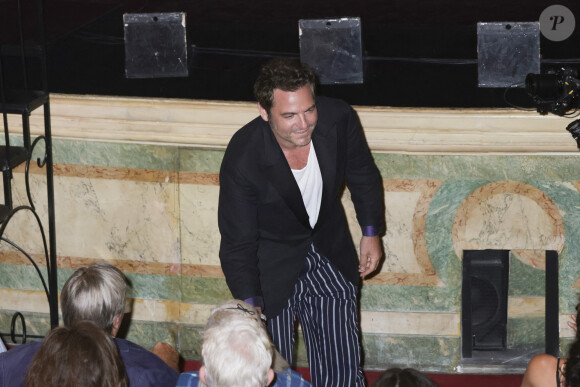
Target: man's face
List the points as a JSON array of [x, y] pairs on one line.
[[292, 117]]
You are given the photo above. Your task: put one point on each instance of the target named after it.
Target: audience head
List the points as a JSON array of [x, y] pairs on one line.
[[281, 73], [82, 354], [408, 377], [95, 293], [572, 371], [236, 349]]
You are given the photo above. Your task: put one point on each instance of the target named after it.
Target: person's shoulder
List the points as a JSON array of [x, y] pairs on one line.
[[246, 138], [131, 351], [20, 352], [143, 367], [541, 371], [250, 130], [544, 360], [332, 111], [247, 145], [329, 103], [14, 363], [188, 379], [290, 378]]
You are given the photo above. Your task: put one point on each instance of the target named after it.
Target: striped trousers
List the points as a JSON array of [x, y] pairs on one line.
[[326, 305]]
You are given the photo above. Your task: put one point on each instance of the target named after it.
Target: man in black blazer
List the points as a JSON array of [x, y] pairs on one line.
[[285, 245]]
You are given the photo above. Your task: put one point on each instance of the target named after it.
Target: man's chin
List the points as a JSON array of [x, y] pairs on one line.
[[303, 141]]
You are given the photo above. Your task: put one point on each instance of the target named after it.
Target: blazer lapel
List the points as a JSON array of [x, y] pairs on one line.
[[324, 140], [279, 174]]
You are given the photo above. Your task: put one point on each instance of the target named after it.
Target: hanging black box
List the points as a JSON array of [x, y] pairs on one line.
[[155, 45]]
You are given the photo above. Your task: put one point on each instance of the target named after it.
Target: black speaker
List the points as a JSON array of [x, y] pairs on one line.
[[155, 45], [484, 300]]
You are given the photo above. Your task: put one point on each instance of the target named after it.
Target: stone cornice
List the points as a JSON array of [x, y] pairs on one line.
[[211, 124]]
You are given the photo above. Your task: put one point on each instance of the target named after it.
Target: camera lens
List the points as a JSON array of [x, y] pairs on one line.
[[544, 86]]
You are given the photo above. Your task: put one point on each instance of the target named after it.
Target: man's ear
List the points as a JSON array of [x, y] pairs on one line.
[[270, 376], [202, 373], [117, 320], [263, 113]]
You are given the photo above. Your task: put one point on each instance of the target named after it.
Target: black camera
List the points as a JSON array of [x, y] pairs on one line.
[[574, 129], [554, 92]]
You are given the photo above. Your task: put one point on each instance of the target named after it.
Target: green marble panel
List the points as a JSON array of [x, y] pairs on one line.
[[147, 333], [157, 287], [200, 160], [410, 298], [423, 352], [22, 277], [525, 280], [190, 339], [393, 166], [300, 354], [204, 290], [526, 333], [566, 197], [63, 274], [380, 352], [439, 228], [565, 343], [14, 140], [36, 324], [111, 154], [487, 167]]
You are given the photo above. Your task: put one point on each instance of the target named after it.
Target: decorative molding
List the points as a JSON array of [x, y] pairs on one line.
[[199, 123]]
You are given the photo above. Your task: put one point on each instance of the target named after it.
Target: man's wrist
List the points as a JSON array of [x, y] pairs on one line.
[[255, 301], [371, 231]]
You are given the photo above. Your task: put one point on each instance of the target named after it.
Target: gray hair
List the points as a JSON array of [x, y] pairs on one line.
[[236, 349], [95, 293]]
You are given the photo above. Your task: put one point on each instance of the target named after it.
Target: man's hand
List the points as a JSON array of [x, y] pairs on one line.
[[370, 254], [168, 354], [572, 324]]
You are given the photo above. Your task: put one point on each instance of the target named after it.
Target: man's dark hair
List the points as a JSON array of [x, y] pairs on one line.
[[572, 370], [408, 377], [281, 73]]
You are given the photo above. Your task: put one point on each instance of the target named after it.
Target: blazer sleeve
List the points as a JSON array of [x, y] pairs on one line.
[[363, 178], [238, 225]]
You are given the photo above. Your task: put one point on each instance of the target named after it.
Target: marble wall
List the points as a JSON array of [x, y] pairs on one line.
[[150, 208]]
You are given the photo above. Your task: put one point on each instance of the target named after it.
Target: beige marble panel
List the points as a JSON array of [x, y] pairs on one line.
[[23, 300], [195, 314], [406, 260], [565, 330], [111, 219], [117, 219], [102, 218], [200, 238], [526, 306], [141, 309], [411, 323], [398, 241], [509, 215], [23, 228], [376, 322], [155, 310]]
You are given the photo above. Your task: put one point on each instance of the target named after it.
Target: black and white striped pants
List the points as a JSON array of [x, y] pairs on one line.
[[326, 305]]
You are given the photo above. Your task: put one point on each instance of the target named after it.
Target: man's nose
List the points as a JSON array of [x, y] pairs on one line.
[[302, 121]]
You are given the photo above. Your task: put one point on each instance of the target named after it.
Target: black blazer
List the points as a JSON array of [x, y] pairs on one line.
[[265, 231]]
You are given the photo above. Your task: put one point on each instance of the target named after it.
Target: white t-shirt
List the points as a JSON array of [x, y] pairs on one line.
[[309, 181], [2, 347]]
